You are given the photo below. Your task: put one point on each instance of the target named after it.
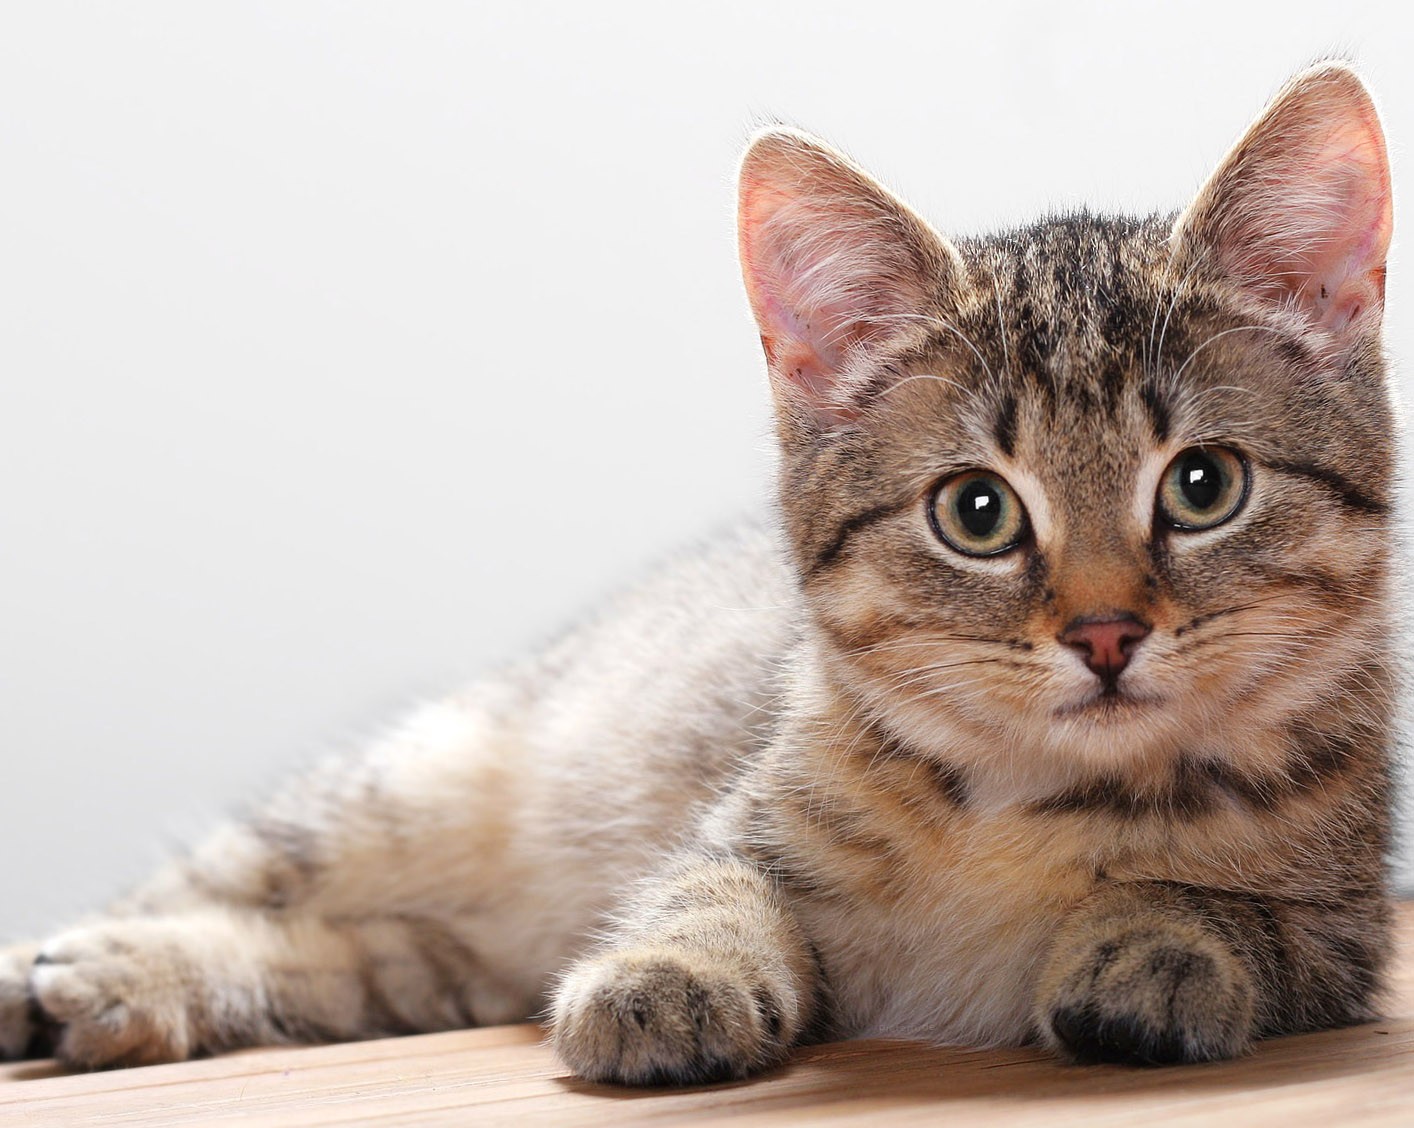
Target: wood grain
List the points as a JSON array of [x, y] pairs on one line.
[[505, 1075]]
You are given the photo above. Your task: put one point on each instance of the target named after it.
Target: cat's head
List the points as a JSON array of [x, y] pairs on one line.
[[1098, 490]]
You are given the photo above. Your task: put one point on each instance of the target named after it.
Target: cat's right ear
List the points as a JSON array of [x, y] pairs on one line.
[[834, 264], [1300, 211]]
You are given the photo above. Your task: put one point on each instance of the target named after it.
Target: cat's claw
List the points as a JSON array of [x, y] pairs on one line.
[[113, 994], [664, 1018]]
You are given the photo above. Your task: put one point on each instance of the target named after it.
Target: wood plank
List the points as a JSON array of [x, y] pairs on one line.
[[506, 1075]]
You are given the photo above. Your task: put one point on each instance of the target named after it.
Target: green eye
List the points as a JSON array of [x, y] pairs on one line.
[[977, 514], [1202, 487]]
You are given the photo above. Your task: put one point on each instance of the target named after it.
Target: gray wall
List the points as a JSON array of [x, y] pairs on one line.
[[350, 348]]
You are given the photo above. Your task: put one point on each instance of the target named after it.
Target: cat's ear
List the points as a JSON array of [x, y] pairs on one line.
[[1300, 211], [834, 263]]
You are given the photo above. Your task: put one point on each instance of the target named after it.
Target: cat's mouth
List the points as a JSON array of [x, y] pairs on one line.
[[1111, 703]]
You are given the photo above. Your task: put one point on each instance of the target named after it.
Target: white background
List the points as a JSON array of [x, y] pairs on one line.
[[348, 349]]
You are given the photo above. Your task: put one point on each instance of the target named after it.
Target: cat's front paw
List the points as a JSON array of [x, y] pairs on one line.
[[17, 1028], [116, 993], [662, 1017], [1152, 994]]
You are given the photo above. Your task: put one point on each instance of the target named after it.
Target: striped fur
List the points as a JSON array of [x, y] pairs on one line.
[[846, 780]]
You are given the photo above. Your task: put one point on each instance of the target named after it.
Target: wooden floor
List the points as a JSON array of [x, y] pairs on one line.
[[505, 1075]]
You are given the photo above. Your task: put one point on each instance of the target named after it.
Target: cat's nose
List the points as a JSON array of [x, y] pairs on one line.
[[1105, 642]]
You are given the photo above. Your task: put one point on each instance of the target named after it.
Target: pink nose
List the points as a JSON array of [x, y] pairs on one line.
[[1106, 643]]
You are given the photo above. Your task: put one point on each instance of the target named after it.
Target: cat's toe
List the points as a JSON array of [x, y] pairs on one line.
[[112, 994], [1150, 997], [18, 1030], [661, 1018]]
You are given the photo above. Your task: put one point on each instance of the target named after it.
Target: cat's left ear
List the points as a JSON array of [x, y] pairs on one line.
[[1300, 211], [834, 264]]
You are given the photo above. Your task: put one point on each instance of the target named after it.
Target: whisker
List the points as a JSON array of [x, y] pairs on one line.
[[1177, 376], [945, 324], [1173, 303]]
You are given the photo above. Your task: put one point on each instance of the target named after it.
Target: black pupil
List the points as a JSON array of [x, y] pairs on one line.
[[1201, 481], [979, 508]]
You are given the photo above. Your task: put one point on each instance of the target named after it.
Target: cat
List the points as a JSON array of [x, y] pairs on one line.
[[1056, 706]]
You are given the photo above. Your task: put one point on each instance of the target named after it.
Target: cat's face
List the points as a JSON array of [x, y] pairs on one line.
[[1100, 491], [1080, 552]]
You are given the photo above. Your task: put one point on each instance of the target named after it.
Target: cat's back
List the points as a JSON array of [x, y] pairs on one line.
[[596, 758], [607, 744], [682, 668], [531, 799], [600, 750]]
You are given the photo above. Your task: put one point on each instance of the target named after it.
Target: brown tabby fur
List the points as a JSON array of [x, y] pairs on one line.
[[863, 792]]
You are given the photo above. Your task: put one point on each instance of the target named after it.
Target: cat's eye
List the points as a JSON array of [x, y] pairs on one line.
[[1202, 487], [977, 514]]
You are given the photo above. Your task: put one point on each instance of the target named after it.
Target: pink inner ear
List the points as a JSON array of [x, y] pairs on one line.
[[1346, 223], [831, 262], [793, 353], [803, 264], [1304, 216]]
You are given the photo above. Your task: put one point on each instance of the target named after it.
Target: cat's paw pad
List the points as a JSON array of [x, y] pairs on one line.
[[114, 994], [1151, 997], [663, 1018], [17, 1027]]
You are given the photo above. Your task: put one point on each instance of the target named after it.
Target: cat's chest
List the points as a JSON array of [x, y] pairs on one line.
[[940, 935], [933, 914]]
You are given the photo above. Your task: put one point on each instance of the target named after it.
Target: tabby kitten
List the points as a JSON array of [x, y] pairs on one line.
[[1065, 714]]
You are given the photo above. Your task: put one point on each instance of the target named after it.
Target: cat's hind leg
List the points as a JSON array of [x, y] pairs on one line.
[[141, 990], [366, 899], [19, 1033]]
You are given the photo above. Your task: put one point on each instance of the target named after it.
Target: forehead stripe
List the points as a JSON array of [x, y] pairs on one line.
[[1005, 427], [1158, 411]]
